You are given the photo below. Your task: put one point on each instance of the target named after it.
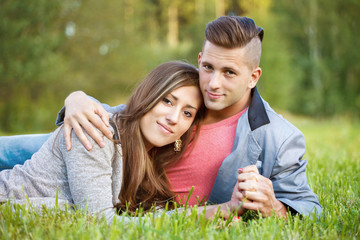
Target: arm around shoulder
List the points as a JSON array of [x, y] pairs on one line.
[[83, 113], [106, 107]]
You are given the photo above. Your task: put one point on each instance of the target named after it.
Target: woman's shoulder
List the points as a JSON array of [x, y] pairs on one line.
[[57, 140]]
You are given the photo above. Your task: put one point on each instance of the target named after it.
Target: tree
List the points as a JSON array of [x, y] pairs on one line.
[[321, 35], [31, 33]]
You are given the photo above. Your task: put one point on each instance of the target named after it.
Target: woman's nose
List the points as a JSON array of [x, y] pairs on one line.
[[173, 116]]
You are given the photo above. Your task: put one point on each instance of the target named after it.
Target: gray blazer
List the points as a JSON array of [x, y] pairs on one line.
[[265, 139]]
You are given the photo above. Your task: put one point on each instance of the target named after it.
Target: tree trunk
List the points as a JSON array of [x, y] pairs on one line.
[[220, 7], [173, 25], [313, 46]]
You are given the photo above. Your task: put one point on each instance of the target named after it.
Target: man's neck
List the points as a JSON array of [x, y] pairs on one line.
[[213, 116]]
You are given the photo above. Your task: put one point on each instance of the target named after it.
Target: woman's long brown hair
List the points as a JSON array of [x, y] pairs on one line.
[[145, 182]]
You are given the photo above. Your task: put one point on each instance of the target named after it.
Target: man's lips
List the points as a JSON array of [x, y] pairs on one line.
[[165, 128], [214, 95]]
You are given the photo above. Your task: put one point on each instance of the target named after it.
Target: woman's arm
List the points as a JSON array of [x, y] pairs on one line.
[[231, 208], [94, 176]]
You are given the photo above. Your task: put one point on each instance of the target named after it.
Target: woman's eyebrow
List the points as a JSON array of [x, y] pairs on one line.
[[187, 105]]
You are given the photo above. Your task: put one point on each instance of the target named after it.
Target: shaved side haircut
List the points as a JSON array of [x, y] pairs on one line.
[[237, 32]]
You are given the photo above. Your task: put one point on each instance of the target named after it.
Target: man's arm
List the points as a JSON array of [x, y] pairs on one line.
[[80, 112], [283, 183], [84, 113], [288, 176]]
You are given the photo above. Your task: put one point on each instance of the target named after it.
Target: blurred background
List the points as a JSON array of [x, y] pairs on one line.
[[310, 61]]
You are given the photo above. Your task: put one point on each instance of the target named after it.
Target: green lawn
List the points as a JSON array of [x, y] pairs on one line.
[[333, 152]]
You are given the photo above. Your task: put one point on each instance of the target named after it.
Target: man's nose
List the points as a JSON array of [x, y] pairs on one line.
[[215, 80]]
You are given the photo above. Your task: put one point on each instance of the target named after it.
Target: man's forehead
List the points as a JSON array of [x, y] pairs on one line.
[[214, 54]]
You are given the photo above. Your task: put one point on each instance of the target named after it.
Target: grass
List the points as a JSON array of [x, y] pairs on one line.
[[333, 171]]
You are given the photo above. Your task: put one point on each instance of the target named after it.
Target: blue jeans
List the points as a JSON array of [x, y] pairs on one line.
[[17, 149]]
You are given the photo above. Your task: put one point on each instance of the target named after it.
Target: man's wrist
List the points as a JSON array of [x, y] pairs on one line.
[[280, 209], [71, 95]]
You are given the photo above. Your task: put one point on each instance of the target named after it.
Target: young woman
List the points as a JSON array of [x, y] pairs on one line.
[[127, 173]]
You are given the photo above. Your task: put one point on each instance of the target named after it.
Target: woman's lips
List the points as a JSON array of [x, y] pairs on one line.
[[165, 129]]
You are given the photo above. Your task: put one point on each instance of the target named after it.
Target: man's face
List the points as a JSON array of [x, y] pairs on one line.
[[226, 79]]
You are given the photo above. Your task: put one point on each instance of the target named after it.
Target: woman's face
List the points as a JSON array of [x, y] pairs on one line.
[[170, 118]]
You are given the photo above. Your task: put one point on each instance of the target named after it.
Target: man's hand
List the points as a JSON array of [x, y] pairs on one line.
[[259, 192], [82, 112]]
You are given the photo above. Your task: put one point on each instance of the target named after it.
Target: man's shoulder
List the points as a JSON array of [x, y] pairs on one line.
[[278, 123]]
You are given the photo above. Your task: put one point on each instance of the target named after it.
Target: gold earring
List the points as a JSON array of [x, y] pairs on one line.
[[177, 145]]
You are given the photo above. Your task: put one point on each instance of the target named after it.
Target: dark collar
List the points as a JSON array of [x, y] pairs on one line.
[[257, 113]]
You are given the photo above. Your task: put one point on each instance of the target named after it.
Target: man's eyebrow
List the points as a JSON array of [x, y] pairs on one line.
[[230, 69], [224, 68], [187, 105], [205, 62]]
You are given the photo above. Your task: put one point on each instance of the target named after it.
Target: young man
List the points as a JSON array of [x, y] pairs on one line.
[[242, 142]]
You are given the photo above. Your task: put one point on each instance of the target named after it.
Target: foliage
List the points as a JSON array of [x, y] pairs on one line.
[[333, 168], [30, 64], [50, 48], [322, 42]]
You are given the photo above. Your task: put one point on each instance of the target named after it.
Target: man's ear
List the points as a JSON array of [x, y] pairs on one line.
[[255, 75], [199, 58]]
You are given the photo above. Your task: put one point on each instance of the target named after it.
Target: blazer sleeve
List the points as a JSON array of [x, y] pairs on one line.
[[289, 177]]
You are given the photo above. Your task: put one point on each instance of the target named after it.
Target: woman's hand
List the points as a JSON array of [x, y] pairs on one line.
[[224, 211], [81, 113]]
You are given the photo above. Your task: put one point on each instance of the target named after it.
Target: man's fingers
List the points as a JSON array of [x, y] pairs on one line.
[[241, 196], [104, 115], [249, 176], [82, 137], [252, 205], [99, 124], [251, 196], [248, 186], [93, 133], [67, 135]]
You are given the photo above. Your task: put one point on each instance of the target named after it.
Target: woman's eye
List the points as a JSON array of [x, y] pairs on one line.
[[166, 101], [187, 114]]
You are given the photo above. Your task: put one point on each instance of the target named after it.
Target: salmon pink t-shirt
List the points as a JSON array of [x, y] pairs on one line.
[[200, 164]]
